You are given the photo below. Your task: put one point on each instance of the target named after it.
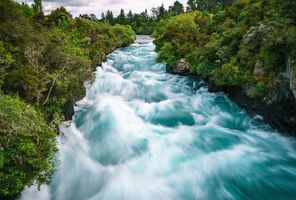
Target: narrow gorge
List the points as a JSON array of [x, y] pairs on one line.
[[140, 133]]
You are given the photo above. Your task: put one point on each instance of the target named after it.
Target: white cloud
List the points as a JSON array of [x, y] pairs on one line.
[[98, 6]]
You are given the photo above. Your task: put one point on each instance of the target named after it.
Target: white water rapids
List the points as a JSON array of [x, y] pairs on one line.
[[143, 134]]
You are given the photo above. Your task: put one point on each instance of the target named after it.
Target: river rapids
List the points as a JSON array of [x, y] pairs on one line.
[[143, 134]]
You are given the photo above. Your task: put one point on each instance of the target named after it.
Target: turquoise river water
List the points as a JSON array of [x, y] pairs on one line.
[[143, 134]]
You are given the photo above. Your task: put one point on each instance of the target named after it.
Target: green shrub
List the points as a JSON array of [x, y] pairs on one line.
[[257, 90], [27, 147], [166, 54]]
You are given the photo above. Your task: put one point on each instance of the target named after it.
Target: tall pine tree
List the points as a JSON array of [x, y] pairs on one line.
[[37, 6]]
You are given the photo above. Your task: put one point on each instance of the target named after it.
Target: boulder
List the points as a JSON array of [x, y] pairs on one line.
[[182, 68]]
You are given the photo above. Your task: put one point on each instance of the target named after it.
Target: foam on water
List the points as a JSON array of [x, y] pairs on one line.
[[143, 134]]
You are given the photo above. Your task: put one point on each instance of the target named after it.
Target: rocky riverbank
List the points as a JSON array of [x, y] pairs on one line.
[[68, 109], [277, 106]]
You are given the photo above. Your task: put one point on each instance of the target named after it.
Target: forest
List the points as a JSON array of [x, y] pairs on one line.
[[145, 22]]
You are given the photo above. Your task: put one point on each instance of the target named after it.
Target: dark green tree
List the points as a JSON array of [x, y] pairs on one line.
[[191, 5], [161, 12], [91, 17], [58, 15], [103, 17], [110, 17], [37, 6], [121, 19], [202, 4], [177, 8], [130, 16]]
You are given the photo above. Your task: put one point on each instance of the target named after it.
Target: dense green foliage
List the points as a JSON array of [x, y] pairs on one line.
[[247, 42], [44, 60], [142, 23], [25, 141]]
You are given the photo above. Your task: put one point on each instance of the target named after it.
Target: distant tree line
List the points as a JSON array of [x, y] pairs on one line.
[[143, 23]]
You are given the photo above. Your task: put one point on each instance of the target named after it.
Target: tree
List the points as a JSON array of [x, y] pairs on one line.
[[121, 19], [103, 18], [58, 15], [91, 17], [37, 6], [177, 8], [191, 5], [288, 8], [202, 5], [110, 17], [130, 16], [161, 12], [27, 147]]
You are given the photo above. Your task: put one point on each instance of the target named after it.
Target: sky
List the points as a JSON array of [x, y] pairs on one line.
[[96, 7]]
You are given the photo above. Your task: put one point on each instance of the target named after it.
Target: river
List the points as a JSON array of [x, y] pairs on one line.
[[143, 134]]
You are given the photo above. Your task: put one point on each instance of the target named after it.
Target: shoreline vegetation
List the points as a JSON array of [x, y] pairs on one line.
[[246, 49], [44, 62]]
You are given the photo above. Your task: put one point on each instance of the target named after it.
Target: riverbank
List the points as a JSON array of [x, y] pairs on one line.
[[246, 50], [277, 107], [68, 107]]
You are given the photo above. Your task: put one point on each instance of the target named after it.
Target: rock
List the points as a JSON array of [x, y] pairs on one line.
[[293, 81], [182, 68], [212, 87], [278, 107], [256, 35], [290, 73], [259, 70], [69, 109]]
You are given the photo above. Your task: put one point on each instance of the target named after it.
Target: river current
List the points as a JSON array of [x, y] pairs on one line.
[[143, 134]]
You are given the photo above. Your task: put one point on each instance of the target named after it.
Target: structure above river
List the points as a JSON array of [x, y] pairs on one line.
[[143, 39]]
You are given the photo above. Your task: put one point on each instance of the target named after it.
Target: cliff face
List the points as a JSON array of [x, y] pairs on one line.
[[277, 107], [278, 104], [291, 75]]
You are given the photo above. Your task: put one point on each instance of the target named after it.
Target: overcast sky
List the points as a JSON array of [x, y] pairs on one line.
[[96, 7]]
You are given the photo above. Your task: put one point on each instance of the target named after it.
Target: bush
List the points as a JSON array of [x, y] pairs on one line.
[[27, 147], [166, 54], [257, 90]]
